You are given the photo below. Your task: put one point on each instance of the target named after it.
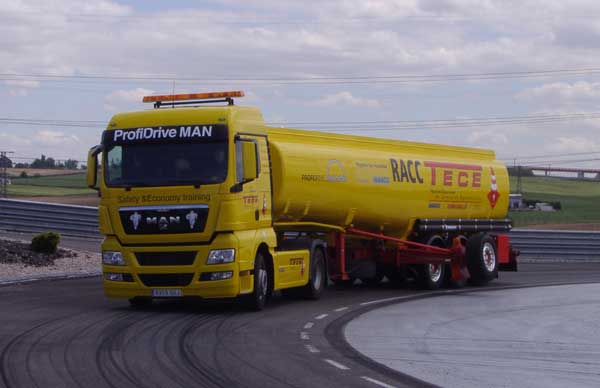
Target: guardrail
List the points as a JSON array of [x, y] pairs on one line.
[[36, 217], [557, 245], [82, 221]]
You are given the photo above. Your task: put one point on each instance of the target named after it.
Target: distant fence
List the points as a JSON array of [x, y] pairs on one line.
[[82, 221]]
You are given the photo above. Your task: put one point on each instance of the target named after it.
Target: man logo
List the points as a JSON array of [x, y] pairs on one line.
[[192, 216], [135, 219]]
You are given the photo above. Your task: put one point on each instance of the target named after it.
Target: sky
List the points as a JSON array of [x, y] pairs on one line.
[[519, 77]]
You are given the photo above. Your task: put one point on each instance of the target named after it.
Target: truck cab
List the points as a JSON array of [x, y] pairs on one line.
[[186, 204]]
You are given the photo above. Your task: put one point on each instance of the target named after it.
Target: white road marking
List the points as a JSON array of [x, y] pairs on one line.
[[336, 364], [380, 383], [304, 335], [309, 325], [341, 309], [321, 316], [395, 298], [312, 349]]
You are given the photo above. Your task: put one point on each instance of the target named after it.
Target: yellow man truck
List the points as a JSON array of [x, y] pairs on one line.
[[201, 199]]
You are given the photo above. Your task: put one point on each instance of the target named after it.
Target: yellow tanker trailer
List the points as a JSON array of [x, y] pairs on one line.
[[209, 202]]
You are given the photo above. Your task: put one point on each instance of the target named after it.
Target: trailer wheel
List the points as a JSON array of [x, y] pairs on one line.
[[432, 276], [482, 258], [317, 279], [258, 298]]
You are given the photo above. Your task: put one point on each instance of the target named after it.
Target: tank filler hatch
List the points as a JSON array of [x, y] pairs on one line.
[[192, 98]]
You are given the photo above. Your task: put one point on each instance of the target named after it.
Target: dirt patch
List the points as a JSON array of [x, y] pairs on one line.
[[17, 252], [82, 200], [18, 263]]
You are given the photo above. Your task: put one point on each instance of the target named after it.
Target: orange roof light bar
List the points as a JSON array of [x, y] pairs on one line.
[[193, 96]]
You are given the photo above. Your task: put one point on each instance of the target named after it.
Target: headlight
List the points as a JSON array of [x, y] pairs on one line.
[[112, 258], [221, 256]]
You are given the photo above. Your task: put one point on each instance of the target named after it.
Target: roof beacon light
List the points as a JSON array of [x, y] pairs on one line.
[[175, 99]]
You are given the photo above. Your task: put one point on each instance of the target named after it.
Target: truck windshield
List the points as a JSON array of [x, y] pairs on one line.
[[166, 164]]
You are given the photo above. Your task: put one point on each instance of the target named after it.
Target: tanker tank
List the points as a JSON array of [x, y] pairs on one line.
[[381, 185]]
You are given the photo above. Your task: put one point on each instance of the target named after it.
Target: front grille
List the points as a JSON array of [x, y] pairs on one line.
[[166, 258], [166, 280]]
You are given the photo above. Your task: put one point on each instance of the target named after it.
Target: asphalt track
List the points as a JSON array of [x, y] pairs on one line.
[[544, 337], [66, 334]]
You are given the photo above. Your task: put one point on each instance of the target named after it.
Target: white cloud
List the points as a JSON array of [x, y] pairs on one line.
[[119, 99], [54, 138], [561, 92], [487, 138], [346, 98], [575, 144], [20, 88]]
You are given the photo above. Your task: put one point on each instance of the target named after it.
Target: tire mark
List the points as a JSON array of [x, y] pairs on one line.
[[68, 364], [6, 371], [221, 345]]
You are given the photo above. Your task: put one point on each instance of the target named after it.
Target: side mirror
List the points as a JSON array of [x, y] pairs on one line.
[[92, 166], [250, 160]]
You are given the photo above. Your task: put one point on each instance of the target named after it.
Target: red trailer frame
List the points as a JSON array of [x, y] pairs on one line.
[[410, 252]]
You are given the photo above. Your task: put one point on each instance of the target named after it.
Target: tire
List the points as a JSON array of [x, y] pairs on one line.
[[140, 301], [257, 300], [482, 259], [432, 276], [317, 279]]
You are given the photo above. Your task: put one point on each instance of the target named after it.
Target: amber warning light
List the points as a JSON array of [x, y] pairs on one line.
[[193, 96]]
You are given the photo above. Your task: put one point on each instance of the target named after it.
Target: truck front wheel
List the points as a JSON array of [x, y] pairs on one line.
[[258, 298], [482, 258]]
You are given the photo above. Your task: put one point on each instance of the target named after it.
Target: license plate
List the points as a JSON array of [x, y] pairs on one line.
[[166, 293]]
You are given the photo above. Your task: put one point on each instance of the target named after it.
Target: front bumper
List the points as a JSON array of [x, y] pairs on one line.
[[188, 277]]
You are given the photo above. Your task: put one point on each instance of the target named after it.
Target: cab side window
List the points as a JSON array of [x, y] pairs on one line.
[[239, 162]]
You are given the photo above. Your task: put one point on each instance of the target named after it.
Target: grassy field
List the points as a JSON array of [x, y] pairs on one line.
[[580, 201], [56, 185]]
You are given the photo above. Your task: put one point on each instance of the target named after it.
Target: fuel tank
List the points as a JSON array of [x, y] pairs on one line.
[[381, 185]]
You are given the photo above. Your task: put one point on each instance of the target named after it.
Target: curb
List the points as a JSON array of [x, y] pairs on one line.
[[84, 275]]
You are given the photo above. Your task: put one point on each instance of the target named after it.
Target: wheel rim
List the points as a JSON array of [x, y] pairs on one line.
[[318, 278], [489, 256], [435, 272], [262, 283]]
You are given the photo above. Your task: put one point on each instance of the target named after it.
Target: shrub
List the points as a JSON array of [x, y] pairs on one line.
[[23, 174], [45, 243]]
